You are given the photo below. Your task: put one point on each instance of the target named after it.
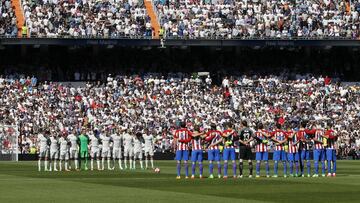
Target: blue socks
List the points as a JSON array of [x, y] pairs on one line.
[[225, 168], [211, 168], [193, 168], [297, 167], [316, 165], [178, 168], [276, 167], [291, 167], [285, 167], [308, 165], [234, 168], [257, 168], [186, 169], [333, 168]]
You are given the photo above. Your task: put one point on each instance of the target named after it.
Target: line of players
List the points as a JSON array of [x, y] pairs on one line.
[[291, 146], [115, 143]]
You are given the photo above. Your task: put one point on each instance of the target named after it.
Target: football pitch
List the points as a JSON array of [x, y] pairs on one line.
[[21, 182]]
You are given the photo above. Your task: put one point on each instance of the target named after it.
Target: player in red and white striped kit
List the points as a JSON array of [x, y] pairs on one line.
[[261, 147], [318, 151], [214, 138], [196, 151], [304, 153], [230, 138], [331, 137], [293, 153], [279, 136], [182, 138]]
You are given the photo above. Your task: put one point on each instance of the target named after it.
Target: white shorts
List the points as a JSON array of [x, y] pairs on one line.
[[74, 153], [149, 151], [138, 154], [95, 152], [54, 154], [128, 151], [117, 153], [106, 153], [64, 155], [44, 153]]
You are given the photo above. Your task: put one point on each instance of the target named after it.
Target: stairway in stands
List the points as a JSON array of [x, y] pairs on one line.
[[154, 21], [19, 15]]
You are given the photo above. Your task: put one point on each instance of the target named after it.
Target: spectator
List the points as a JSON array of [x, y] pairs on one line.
[[8, 27], [90, 18]]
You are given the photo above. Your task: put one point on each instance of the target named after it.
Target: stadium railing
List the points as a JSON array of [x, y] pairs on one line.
[[186, 38]]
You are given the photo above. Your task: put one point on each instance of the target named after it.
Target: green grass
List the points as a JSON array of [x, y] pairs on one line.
[[22, 182]]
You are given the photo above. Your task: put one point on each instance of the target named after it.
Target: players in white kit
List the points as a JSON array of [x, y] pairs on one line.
[[117, 149], [43, 149], [64, 152], [138, 153], [105, 150], [128, 141], [149, 148], [74, 148], [107, 143], [54, 150], [94, 150]]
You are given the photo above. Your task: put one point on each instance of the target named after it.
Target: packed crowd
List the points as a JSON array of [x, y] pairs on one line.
[[187, 19], [8, 26], [87, 18], [259, 18], [159, 104]]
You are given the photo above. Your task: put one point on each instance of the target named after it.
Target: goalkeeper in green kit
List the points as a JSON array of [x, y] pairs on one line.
[[84, 153]]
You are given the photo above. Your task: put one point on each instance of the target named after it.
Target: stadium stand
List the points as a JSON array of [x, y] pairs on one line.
[[189, 19], [245, 19], [279, 81], [88, 18], [164, 75], [157, 104], [8, 27]]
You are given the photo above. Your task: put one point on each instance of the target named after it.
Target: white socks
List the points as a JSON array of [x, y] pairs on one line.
[[65, 167], [146, 163], [98, 164], [152, 162], [103, 164], [49, 165], [120, 164]]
